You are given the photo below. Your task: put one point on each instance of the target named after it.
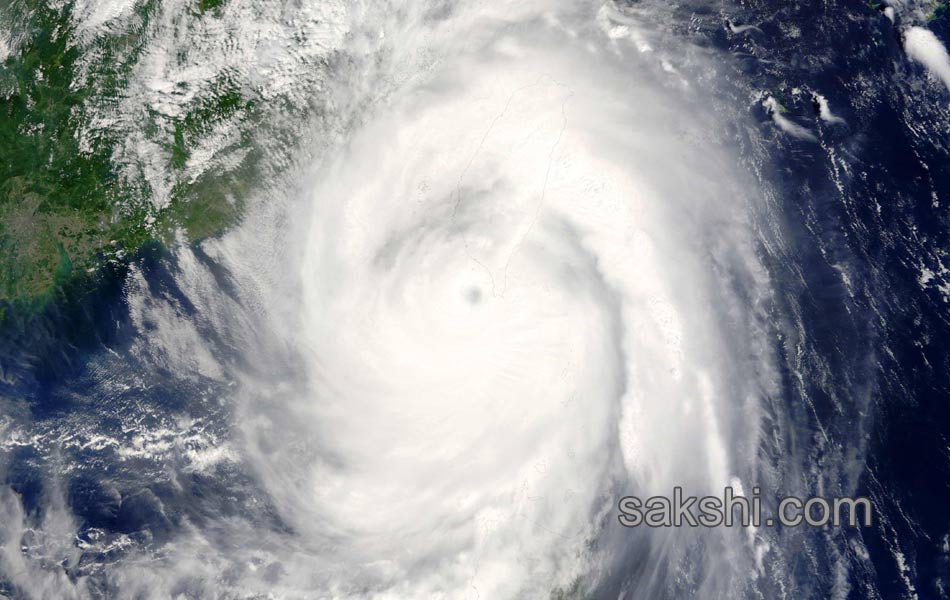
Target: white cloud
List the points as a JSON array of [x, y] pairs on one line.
[[923, 46]]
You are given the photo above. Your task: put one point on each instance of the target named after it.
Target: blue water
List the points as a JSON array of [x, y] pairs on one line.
[[889, 219]]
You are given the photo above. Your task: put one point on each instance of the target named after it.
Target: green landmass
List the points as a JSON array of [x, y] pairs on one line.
[[65, 210], [206, 5], [940, 9]]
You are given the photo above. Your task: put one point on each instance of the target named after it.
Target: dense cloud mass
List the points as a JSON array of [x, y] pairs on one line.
[[509, 312]]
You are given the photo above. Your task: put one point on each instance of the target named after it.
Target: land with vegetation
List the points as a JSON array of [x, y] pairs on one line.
[[67, 205]]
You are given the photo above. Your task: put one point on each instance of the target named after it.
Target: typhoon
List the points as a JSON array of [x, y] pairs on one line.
[[508, 313], [495, 266]]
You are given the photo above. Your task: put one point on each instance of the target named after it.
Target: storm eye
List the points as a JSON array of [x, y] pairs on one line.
[[473, 295]]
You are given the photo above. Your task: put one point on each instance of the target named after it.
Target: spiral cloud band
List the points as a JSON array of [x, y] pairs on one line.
[[509, 312]]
